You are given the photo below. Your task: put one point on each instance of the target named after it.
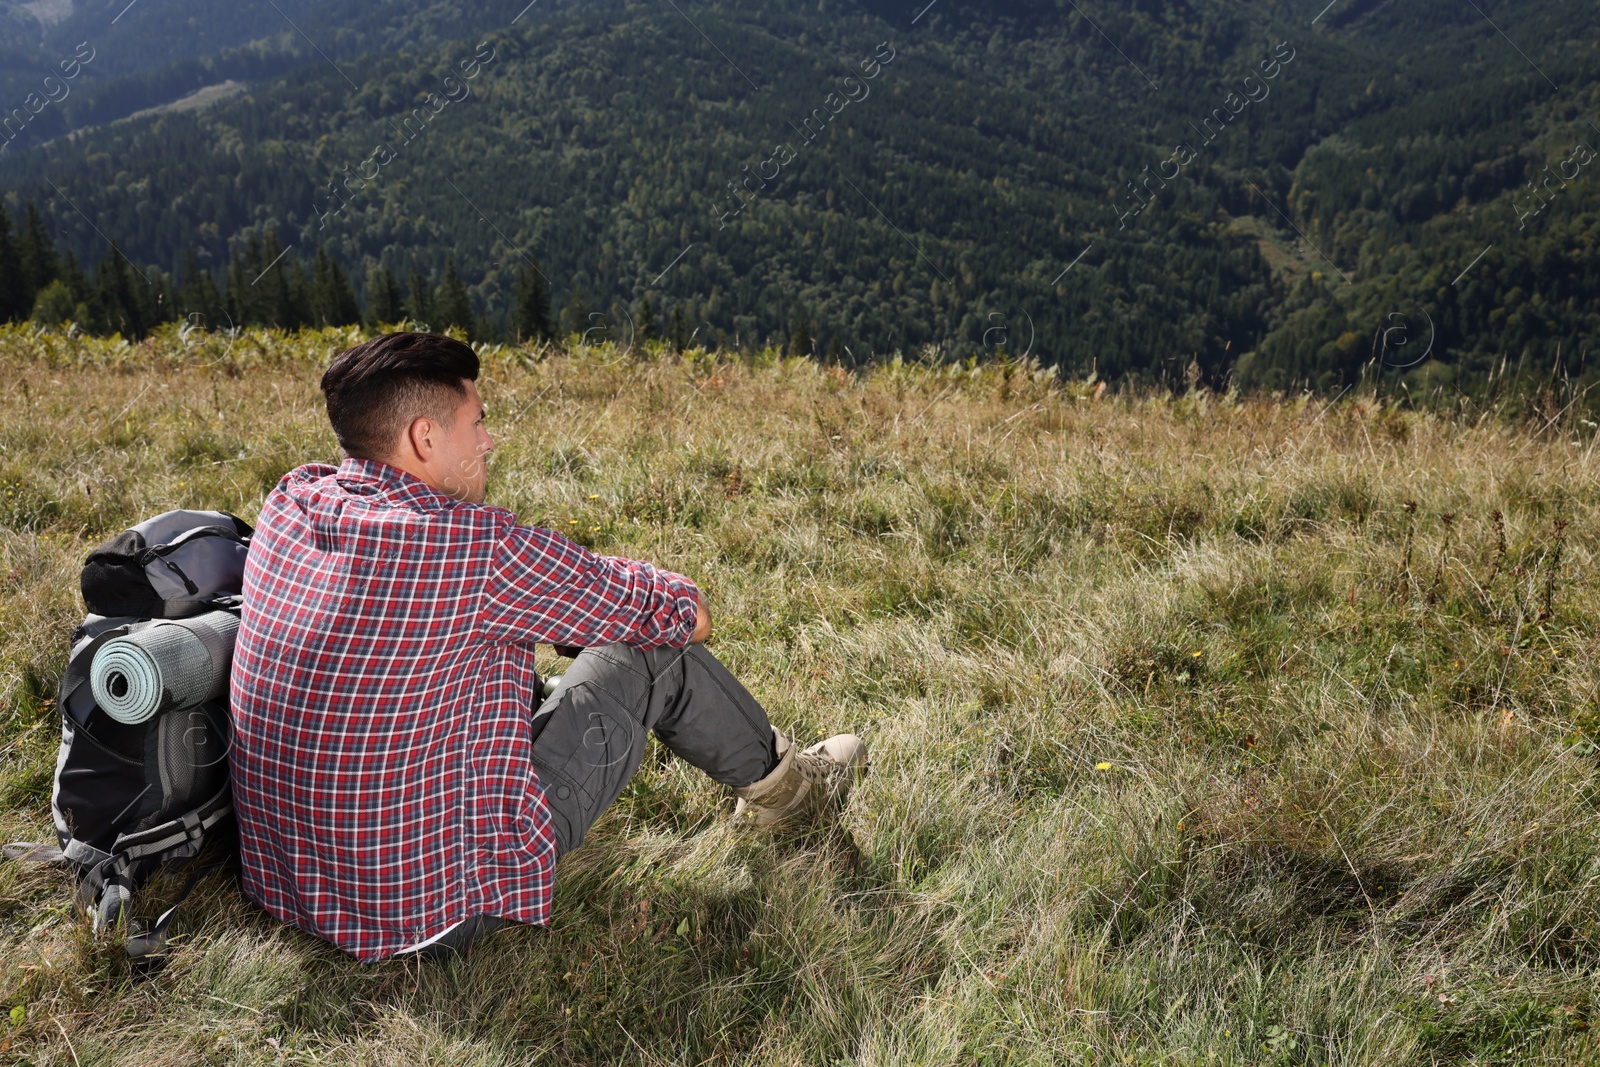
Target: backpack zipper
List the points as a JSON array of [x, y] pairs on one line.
[[150, 555]]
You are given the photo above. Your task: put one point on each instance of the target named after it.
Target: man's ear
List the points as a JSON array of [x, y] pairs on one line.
[[418, 439]]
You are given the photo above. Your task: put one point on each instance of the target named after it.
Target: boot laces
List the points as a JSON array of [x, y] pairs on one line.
[[816, 766]]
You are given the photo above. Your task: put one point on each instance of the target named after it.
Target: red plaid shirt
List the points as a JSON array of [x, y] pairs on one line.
[[383, 682]]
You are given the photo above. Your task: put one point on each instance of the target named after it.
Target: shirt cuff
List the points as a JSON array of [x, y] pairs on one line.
[[684, 608]]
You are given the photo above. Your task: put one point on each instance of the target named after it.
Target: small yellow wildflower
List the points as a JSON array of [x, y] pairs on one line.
[[1102, 766]]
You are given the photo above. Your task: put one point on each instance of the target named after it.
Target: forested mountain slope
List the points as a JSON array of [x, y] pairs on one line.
[[1281, 192], [150, 52]]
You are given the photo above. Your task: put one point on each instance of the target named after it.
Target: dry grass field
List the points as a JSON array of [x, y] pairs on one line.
[[1205, 730]]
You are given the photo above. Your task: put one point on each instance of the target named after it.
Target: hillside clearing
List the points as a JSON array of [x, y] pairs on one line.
[[1204, 730]]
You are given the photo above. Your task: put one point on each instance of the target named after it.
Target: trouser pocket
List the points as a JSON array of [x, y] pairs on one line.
[[587, 751]]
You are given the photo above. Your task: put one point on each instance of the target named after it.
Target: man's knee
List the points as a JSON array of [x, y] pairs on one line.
[[648, 663], [627, 672]]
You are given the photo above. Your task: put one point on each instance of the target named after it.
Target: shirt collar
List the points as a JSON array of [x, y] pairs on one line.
[[370, 477]]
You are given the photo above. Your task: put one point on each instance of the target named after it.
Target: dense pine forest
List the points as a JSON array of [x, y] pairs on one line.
[[1268, 195]]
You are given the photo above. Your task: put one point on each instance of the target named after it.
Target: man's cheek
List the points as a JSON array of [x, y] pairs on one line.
[[473, 471]]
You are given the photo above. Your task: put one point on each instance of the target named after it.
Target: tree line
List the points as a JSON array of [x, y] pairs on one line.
[[267, 285]]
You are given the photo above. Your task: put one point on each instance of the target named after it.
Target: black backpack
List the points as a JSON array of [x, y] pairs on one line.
[[131, 796]]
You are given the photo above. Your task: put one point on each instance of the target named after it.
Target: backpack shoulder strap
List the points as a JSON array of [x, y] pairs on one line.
[[32, 852], [107, 888], [148, 950]]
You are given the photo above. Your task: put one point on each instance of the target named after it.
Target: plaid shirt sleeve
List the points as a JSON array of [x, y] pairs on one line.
[[543, 587]]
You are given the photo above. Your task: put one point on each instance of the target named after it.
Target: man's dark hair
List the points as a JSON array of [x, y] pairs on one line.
[[377, 388]]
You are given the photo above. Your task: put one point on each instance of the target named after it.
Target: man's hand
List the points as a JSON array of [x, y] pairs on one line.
[[702, 622]]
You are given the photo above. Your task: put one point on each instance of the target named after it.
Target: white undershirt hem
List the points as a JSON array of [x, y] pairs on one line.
[[424, 944]]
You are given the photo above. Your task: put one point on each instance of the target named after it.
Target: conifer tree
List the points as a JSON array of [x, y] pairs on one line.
[[115, 306], [78, 286], [455, 307], [320, 295], [347, 309], [419, 308], [211, 304], [233, 281], [40, 264], [186, 290], [530, 311], [198, 300], [333, 302], [575, 319], [800, 336], [385, 303], [265, 286], [680, 330], [16, 298], [298, 309], [645, 329], [283, 280], [156, 302], [246, 291]]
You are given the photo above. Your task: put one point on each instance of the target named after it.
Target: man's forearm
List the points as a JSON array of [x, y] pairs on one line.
[[702, 629]]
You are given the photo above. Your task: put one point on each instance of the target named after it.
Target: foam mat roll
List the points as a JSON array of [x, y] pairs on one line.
[[172, 665]]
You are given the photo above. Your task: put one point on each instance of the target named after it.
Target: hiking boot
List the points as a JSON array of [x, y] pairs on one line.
[[803, 783]]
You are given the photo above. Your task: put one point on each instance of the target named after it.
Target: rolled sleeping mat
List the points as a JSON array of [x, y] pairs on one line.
[[173, 665]]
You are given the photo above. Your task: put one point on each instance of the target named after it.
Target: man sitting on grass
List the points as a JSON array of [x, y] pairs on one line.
[[399, 785]]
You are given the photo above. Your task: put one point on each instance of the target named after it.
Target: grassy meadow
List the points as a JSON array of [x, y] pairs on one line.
[[1205, 730]]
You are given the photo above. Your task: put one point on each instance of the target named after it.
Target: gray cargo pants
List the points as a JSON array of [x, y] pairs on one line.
[[589, 738]]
